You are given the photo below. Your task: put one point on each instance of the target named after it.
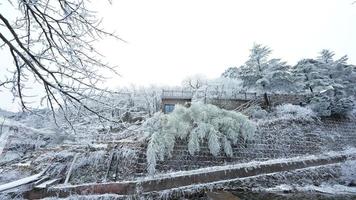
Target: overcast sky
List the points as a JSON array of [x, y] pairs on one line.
[[169, 40]]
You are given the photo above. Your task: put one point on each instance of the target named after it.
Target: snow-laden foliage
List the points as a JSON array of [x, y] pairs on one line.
[[294, 112], [219, 88], [326, 56], [330, 82], [280, 114], [227, 146], [256, 112], [343, 106], [321, 105], [198, 123], [194, 82], [262, 74], [231, 72], [327, 105]]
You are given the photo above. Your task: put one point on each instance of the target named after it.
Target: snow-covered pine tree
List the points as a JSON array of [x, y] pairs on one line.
[[231, 72], [331, 81], [262, 74], [311, 76], [326, 56]]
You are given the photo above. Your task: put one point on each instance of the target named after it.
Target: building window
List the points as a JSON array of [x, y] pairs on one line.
[[168, 108]]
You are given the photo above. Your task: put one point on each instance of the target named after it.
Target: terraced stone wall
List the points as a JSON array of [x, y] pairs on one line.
[[273, 140], [278, 99]]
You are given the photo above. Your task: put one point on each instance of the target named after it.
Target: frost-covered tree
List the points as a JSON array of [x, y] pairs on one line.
[[51, 45], [219, 88], [194, 82], [326, 56], [220, 128], [280, 78], [254, 71], [143, 99], [231, 72], [262, 74], [331, 81], [311, 76], [323, 73]]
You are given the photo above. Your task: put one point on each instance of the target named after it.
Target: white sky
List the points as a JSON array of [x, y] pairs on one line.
[[171, 39]]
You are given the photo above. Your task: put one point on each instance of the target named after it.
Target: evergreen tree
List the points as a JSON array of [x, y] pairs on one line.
[[231, 72], [330, 81], [262, 74]]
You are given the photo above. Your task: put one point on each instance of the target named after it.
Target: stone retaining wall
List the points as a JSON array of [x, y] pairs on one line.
[[276, 140], [278, 99], [227, 104]]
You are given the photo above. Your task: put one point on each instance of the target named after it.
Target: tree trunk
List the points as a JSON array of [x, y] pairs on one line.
[[311, 89], [265, 96]]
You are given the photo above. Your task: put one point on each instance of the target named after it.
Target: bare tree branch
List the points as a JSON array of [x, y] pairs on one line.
[[52, 44]]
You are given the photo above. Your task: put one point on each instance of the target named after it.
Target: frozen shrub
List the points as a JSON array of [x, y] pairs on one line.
[[153, 124], [342, 106], [256, 112], [227, 146], [321, 105], [213, 143], [193, 143], [327, 106], [220, 128], [259, 114], [294, 112]]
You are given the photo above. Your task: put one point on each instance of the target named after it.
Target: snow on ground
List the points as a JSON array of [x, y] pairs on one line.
[[348, 170], [90, 197], [30, 142], [8, 122], [21, 182], [29, 133], [253, 164], [324, 188]]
